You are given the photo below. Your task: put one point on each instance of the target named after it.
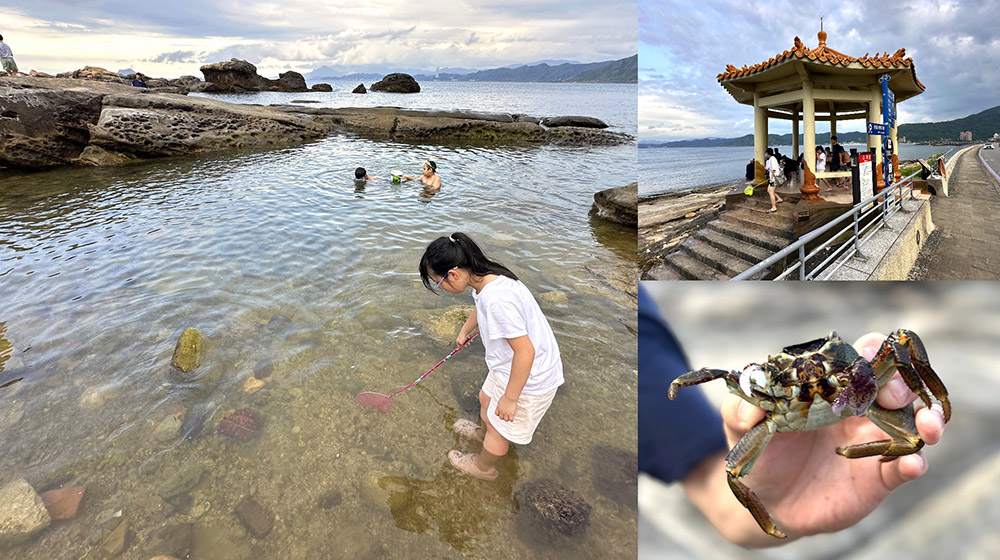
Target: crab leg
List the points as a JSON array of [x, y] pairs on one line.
[[702, 375], [899, 424], [739, 462], [904, 351]]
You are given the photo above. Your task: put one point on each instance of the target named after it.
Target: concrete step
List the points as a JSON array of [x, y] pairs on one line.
[[689, 268], [772, 243], [724, 262], [743, 249], [779, 223]]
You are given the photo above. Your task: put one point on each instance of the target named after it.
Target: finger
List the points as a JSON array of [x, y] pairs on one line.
[[904, 469], [738, 416], [895, 394], [869, 344], [930, 424]]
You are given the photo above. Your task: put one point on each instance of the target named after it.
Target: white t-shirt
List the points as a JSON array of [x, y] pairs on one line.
[[505, 309], [772, 167], [820, 162]]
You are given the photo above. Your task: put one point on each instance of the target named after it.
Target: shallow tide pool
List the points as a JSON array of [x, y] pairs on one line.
[[300, 278]]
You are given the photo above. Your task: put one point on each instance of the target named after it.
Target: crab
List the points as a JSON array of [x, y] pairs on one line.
[[819, 383]]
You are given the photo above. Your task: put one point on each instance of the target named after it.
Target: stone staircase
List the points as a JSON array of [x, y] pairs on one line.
[[742, 236]]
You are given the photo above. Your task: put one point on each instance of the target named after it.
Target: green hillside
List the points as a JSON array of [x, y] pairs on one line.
[[623, 71], [983, 125]]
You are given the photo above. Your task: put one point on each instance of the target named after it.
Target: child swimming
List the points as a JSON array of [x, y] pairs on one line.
[[522, 355]]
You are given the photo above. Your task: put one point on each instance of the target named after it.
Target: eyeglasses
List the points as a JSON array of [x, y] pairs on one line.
[[439, 282]]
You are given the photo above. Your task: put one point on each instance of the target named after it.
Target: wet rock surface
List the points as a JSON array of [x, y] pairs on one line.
[[550, 511], [396, 83], [22, 513], [584, 122], [442, 325], [618, 204], [187, 352], [51, 122]]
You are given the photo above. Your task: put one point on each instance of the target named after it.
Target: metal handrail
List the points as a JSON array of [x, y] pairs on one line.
[[861, 233]]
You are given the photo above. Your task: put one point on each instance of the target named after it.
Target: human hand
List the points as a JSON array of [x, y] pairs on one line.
[[506, 407], [462, 339], [805, 486]]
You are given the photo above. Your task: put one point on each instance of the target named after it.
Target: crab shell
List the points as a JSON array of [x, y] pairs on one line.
[[809, 385]]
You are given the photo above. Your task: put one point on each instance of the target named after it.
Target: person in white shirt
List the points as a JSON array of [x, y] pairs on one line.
[[522, 355], [772, 179]]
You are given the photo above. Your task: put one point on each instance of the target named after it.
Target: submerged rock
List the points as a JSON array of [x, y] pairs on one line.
[[186, 478], [255, 517], [62, 503], [115, 542], [240, 425], [616, 473], [172, 540], [550, 511], [187, 353], [442, 325], [618, 204], [397, 82], [22, 513]]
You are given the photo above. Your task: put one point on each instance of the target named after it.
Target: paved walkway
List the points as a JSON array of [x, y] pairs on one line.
[[969, 223]]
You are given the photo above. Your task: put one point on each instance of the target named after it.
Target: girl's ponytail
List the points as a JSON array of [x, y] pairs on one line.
[[458, 250]]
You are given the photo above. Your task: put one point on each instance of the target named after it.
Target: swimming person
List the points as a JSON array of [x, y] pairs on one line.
[[429, 177], [361, 174], [522, 355]]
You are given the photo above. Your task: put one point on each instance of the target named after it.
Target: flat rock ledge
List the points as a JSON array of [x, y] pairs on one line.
[[52, 122], [665, 221], [618, 204]]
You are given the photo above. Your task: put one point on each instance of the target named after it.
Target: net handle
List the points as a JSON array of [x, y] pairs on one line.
[[445, 359]]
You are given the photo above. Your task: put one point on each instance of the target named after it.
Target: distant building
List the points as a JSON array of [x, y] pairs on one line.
[[902, 139], [965, 136]]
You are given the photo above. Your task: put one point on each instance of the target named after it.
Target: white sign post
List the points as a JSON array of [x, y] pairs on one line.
[[866, 176]]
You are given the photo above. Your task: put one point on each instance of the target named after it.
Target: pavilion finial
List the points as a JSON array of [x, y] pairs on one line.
[[821, 34]]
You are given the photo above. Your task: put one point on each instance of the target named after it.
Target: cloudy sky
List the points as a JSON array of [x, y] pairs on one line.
[[683, 46], [171, 38]]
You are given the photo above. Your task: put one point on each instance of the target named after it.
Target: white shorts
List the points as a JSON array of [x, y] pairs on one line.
[[530, 409]]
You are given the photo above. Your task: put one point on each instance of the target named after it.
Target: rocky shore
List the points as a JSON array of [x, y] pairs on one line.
[[93, 117], [666, 220]]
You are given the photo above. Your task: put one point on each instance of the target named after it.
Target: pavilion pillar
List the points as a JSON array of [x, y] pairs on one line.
[[795, 135], [809, 189], [895, 154], [833, 123], [875, 141], [759, 139]]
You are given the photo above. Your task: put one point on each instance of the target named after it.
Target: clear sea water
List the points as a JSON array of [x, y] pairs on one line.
[[663, 170], [300, 278]]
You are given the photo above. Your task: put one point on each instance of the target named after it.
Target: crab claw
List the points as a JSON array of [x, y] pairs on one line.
[[751, 375]]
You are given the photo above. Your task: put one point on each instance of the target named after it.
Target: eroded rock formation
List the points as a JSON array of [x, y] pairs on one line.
[[396, 83]]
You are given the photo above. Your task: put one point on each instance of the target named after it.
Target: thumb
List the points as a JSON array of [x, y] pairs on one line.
[[738, 416]]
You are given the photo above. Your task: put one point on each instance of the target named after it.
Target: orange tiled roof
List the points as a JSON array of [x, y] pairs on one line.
[[824, 54]]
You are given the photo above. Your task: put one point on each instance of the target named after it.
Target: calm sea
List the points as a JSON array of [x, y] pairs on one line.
[[299, 277], [663, 170]]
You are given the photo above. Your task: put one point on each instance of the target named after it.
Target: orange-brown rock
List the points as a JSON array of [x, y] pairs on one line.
[[62, 503]]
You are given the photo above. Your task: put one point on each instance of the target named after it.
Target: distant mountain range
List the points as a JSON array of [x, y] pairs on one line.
[[983, 125], [625, 70]]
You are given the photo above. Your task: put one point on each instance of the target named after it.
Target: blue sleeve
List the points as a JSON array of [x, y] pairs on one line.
[[674, 435]]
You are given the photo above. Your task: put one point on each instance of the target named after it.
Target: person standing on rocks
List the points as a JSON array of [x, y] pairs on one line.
[[522, 355], [7, 59], [430, 178]]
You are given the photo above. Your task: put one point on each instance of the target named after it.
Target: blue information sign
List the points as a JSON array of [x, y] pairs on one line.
[[876, 129], [888, 101]]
